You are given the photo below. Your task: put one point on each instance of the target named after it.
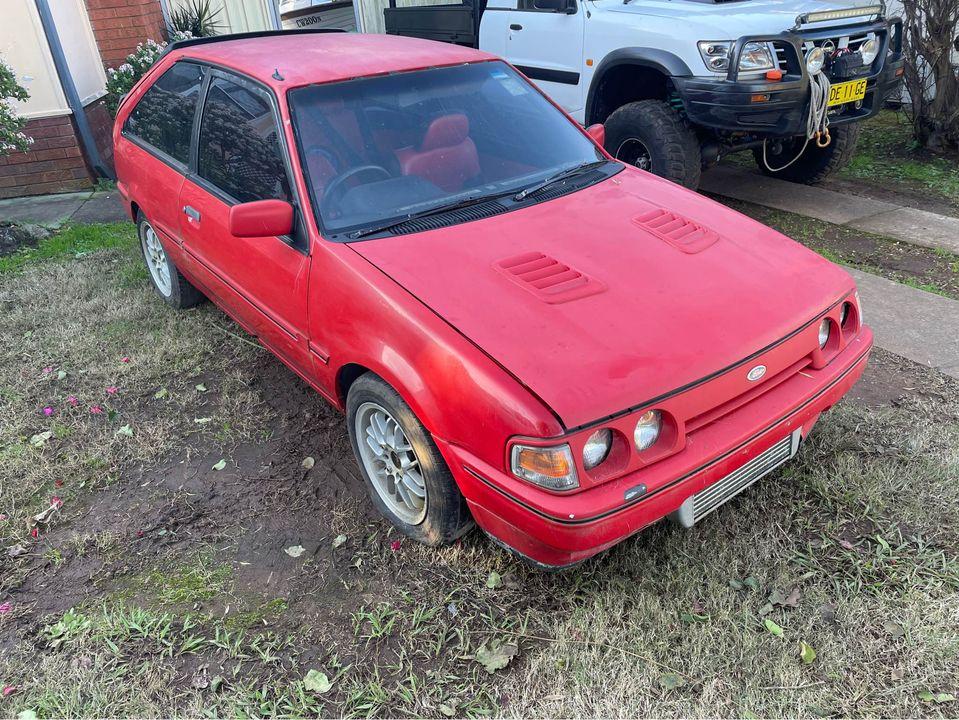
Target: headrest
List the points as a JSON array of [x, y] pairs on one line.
[[446, 131]]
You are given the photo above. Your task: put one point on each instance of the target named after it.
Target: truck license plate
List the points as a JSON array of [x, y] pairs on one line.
[[847, 92]]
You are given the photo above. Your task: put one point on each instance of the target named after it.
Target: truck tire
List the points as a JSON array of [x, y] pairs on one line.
[[652, 136], [816, 163]]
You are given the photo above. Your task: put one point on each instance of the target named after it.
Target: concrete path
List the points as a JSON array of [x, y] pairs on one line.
[[915, 324], [52, 211], [917, 227]]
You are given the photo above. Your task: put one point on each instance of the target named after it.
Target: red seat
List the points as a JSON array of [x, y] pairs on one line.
[[446, 157]]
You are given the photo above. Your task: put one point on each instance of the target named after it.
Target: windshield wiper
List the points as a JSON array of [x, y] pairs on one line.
[[559, 177], [438, 210]]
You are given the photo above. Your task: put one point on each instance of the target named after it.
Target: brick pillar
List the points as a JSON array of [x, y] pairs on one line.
[[120, 25]]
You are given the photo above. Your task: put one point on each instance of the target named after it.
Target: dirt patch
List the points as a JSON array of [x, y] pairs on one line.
[[890, 380], [13, 237], [899, 194]]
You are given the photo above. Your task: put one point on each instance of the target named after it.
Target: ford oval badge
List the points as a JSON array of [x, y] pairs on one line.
[[756, 373]]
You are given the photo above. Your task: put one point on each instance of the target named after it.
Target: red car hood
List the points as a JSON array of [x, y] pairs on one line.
[[649, 302]]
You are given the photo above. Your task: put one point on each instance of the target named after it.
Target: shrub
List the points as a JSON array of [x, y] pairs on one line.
[[12, 137], [931, 43], [196, 17], [121, 79]]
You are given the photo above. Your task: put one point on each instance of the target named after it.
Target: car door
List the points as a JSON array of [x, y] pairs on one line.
[[155, 154], [240, 156], [545, 42]]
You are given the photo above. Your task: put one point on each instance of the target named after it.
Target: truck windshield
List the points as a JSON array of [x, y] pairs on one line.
[[380, 149]]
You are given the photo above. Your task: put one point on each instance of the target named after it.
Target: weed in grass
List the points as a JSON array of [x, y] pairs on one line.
[[199, 580], [70, 242]]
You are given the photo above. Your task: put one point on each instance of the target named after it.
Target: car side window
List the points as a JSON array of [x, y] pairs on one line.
[[163, 117], [239, 144]]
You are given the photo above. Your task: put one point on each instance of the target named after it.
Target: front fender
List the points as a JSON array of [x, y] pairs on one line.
[[663, 61]]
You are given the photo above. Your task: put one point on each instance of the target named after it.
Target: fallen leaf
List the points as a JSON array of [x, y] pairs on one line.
[[773, 627], [294, 551], [317, 682], [806, 653], [339, 540], [200, 387], [447, 710], [736, 585], [16, 550], [220, 464], [44, 517], [766, 609], [938, 698], [161, 393], [670, 681], [39, 439], [216, 683], [125, 430], [27, 715], [308, 463], [202, 421], [894, 629], [752, 583], [494, 580], [61, 374], [496, 656]]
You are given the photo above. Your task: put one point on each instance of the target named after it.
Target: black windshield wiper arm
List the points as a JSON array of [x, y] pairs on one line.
[[439, 210], [558, 177]]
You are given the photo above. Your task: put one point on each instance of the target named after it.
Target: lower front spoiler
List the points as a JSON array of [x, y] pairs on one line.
[[552, 542]]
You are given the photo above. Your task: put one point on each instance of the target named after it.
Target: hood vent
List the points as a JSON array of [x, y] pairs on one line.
[[547, 278], [679, 232], [453, 217]]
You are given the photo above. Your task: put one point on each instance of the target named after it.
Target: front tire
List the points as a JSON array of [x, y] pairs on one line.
[[168, 282], [652, 136], [407, 478], [816, 163]]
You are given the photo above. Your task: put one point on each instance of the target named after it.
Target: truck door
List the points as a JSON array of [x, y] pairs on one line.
[[544, 40]]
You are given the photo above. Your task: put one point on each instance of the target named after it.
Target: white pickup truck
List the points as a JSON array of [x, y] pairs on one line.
[[681, 83]]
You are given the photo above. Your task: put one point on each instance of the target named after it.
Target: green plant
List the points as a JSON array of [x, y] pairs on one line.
[[12, 137], [196, 17], [120, 80]]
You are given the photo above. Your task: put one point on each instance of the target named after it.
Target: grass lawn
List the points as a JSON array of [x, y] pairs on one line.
[[211, 551]]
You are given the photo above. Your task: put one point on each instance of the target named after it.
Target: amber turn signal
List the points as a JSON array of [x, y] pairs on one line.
[[550, 467], [774, 75]]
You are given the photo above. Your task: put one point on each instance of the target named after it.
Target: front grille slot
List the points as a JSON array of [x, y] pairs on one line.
[[453, 217], [738, 480]]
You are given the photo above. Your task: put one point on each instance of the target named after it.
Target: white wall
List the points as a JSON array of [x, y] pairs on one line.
[[80, 48], [235, 15]]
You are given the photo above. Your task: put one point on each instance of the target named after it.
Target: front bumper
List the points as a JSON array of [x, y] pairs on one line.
[[726, 104], [563, 530]]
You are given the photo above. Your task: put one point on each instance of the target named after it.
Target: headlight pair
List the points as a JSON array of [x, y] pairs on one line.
[[755, 56]]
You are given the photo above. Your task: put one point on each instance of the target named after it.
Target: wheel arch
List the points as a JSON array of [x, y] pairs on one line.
[[615, 81]]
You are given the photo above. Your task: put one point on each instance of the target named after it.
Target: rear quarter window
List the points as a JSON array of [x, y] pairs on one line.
[[163, 118]]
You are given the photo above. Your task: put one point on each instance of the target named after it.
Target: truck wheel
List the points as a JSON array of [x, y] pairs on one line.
[[168, 282], [652, 136], [816, 163], [405, 474]]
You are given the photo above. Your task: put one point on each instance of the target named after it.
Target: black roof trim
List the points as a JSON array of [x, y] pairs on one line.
[[179, 44]]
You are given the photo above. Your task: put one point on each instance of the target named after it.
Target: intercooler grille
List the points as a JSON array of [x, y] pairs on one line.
[[738, 480]]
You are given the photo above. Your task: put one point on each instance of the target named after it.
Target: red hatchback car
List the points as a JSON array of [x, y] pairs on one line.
[[523, 332]]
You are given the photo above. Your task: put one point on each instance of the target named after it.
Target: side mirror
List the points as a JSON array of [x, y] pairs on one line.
[[598, 133], [262, 218]]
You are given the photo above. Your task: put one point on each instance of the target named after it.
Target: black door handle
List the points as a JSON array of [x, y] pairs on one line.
[[515, 26]]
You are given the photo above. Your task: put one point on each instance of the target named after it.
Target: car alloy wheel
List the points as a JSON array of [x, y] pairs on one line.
[[391, 463], [156, 259], [633, 151]]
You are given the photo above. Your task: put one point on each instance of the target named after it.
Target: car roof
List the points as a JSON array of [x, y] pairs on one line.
[[307, 58]]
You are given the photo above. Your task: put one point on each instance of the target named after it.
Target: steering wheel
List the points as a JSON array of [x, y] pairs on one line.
[[337, 185]]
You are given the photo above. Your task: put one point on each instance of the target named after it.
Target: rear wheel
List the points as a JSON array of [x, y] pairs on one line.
[[406, 476], [816, 163], [652, 136], [168, 282]]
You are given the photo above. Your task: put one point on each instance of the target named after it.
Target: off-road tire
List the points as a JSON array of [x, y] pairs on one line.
[[816, 163], [183, 294], [673, 146], [447, 516]]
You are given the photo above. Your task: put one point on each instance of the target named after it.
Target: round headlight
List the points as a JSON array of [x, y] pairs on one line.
[[869, 51], [824, 327], [596, 448], [647, 429], [815, 59]]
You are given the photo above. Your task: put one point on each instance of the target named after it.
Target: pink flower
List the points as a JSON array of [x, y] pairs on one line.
[[3, 518], [112, 390], [395, 545], [139, 533], [56, 502], [59, 483], [47, 370], [9, 690], [73, 401], [5, 608], [48, 411], [124, 359], [35, 534], [96, 409]]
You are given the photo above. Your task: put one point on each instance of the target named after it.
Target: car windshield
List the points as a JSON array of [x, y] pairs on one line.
[[377, 150]]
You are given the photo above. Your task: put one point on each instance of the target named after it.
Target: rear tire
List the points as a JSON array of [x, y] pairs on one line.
[[816, 163], [167, 280], [652, 136], [441, 515]]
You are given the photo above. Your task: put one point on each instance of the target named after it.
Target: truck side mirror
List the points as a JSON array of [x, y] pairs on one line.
[[598, 133], [261, 218]]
